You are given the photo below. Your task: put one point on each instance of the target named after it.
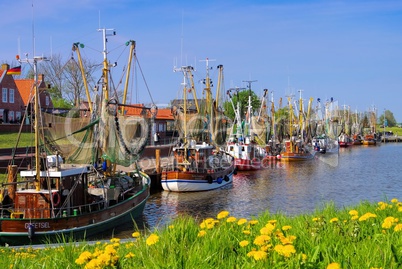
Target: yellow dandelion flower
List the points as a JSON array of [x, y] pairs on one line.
[[135, 234], [286, 228], [304, 257], [315, 219], [334, 265], [253, 222], [257, 254], [241, 221], [115, 240], [270, 227], [260, 255], [353, 212], [171, 227], [398, 228], [129, 255], [243, 243], [333, 220], [265, 247], [355, 217], [208, 223], [288, 240], [382, 206], [247, 232], [261, 239], [367, 216], [265, 230], [152, 239], [394, 201], [231, 219], [222, 214], [388, 222], [84, 257], [201, 233], [285, 250], [272, 221]]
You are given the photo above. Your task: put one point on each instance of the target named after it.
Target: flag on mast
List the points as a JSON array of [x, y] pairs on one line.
[[14, 71]]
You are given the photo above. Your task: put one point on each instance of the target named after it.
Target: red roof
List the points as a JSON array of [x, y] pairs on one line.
[[25, 87], [163, 113]]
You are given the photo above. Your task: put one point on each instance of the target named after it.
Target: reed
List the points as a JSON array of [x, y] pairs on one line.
[[365, 236]]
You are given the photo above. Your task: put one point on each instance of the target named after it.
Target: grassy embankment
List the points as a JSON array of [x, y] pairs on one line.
[[9, 140], [366, 236]]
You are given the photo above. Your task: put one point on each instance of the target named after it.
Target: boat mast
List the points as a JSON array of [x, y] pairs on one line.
[[105, 70], [219, 85], [35, 61], [130, 59], [207, 89], [84, 78]]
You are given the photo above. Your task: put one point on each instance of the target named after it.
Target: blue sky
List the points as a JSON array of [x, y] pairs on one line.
[[348, 50]]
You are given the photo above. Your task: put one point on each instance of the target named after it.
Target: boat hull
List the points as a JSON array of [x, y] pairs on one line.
[[296, 157], [17, 231], [190, 182]]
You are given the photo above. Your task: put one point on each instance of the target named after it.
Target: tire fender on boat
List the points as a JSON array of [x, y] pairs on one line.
[[226, 178], [219, 180], [31, 231], [209, 179], [56, 198]]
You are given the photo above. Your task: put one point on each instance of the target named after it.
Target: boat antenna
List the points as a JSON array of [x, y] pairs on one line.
[[33, 28], [249, 84]]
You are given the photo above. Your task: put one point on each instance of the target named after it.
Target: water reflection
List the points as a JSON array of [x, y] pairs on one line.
[[356, 174]]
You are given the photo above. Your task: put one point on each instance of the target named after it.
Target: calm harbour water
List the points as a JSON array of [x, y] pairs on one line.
[[358, 173]]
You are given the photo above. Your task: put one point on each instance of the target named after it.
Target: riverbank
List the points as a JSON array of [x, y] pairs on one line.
[[323, 239]]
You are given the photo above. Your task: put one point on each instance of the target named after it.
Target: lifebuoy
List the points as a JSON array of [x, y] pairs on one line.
[[209, 179], [226, 178], [56, 198]]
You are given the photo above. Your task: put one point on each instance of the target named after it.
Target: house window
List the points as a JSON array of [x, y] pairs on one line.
[[11, 93], [4, 95], [18, 116], [162, 127], [11, 116], [47, 100]]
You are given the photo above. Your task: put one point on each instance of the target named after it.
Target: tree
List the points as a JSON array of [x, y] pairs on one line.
[[241, 96], [67, 86], [389, 118]]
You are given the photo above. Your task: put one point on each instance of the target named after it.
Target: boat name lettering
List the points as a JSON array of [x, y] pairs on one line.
[[40, 225]]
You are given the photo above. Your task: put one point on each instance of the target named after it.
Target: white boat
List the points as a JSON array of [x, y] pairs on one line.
[[197, 164]]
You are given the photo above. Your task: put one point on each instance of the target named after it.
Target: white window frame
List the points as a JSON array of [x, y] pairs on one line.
[[47, 100], [11, 96], [4, 95]]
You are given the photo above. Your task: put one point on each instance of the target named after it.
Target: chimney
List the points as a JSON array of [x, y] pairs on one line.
[[5, 67], [41, 77]]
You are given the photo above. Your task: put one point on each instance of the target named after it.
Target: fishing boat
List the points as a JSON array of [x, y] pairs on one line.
[[370, 137], [198, 162], [78, 190], [345, 141], [298, 146], [247, 144]]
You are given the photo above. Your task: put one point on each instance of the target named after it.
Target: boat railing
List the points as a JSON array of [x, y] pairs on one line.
[[20, 213]]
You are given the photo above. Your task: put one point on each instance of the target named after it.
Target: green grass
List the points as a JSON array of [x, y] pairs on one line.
[[9, 140], [365, 236]]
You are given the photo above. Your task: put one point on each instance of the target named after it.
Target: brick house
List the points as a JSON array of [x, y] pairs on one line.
[[17, 94], [163, 122], [12, 105]]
